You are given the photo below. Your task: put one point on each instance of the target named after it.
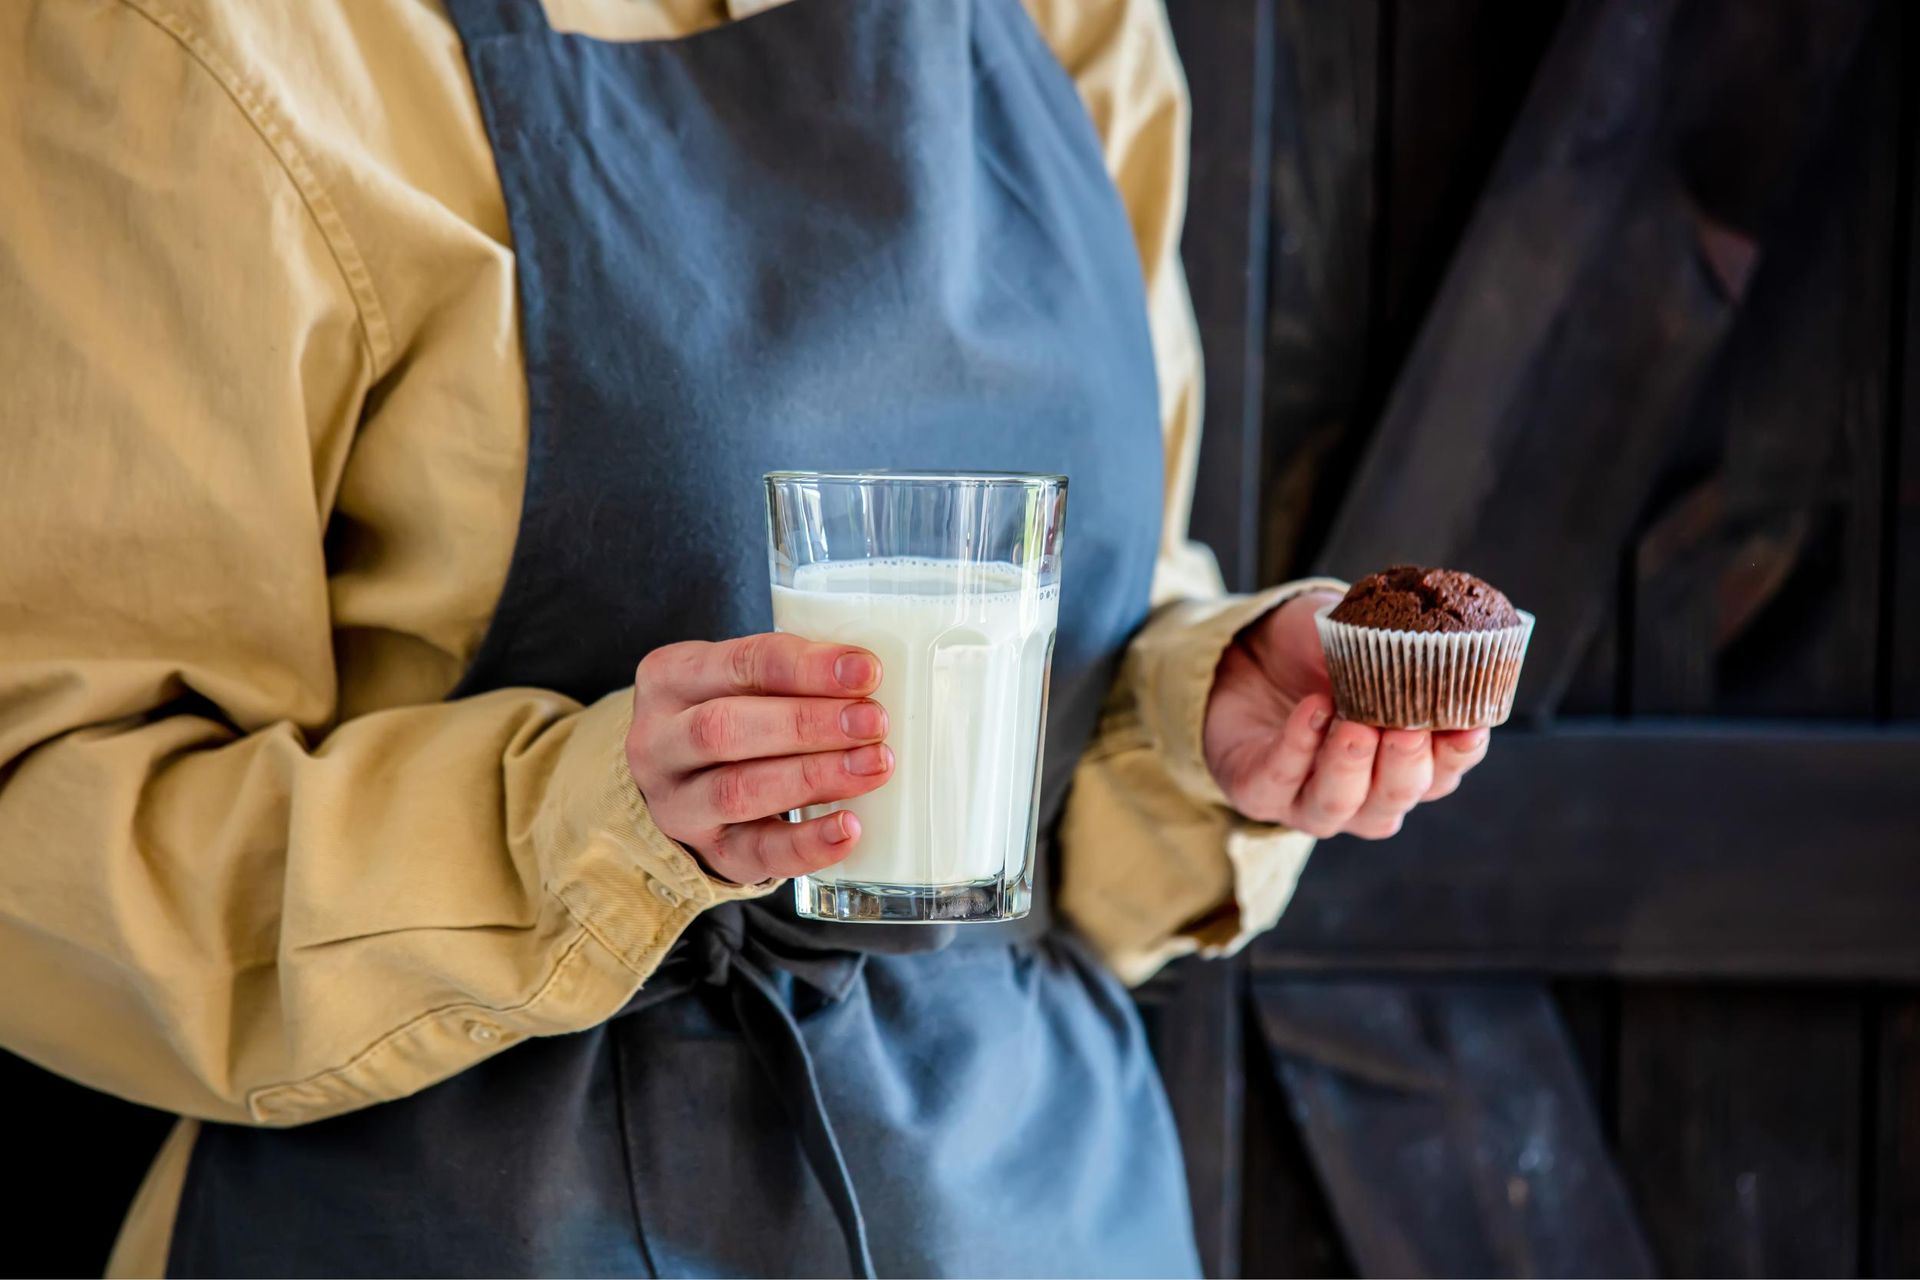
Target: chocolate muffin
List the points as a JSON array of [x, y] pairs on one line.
[[1409, 598], [1414, 648]]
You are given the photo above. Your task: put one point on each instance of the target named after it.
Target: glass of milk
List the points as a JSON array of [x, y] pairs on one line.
[[953, 581]]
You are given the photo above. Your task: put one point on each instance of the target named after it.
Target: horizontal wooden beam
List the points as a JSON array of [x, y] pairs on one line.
[[1642, 848]]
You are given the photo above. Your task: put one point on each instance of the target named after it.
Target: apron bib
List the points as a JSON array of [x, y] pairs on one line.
[[840, 234]]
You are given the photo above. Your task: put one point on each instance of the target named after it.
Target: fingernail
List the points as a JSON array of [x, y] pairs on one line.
[[843, 828], [1470, 743], [1359, 747], [866, 761], [1319, 720], [864, 720], [854, 671]]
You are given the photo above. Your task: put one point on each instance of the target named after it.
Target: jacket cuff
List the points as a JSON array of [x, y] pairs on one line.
[[1264, 864], [1171, 665], [629, 884]]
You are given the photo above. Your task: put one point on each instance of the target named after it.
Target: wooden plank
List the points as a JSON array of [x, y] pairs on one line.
[[1637, 849], [1893, 1246], [1900, 630], [1460, 70], [1451, 1128], [1224, 248], [1322, 207], [1388, 116], [1600, 684], [1740, 1127], [1759, 589], [1590, 1011], [1194, 1014], [78, 1158], [1288, 1228], [1594, 287]]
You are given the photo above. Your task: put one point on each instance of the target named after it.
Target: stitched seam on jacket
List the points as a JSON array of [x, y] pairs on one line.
[[259, 111], [642, 960]]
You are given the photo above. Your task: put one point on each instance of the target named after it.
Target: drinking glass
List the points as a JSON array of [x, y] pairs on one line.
[[953, 582]]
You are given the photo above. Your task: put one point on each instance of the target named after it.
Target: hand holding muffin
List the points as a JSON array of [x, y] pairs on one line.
[[1426, 662]]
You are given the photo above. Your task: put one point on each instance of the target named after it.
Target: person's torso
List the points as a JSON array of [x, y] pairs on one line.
[[842, 234]]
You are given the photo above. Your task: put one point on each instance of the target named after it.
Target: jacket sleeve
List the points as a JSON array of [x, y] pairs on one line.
[[1156, 865], [216, 896]]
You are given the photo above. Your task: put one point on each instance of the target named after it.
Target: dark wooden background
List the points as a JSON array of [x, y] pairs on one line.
[[1612, 302]]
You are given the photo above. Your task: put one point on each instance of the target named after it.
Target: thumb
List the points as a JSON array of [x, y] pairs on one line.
[[1262, 770], [1288, 646]]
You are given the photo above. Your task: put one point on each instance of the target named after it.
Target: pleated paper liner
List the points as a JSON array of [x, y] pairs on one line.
[[1423, 679]]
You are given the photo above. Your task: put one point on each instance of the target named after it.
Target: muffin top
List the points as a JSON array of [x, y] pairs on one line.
[[1409, 598]]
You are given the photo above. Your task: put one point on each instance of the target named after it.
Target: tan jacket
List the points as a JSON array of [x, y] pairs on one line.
[[266, 435]]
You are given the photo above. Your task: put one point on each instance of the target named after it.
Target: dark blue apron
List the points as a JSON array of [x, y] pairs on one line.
[[840, 234]]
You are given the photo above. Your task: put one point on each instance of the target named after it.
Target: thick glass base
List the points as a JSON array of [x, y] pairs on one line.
[[852, 902]]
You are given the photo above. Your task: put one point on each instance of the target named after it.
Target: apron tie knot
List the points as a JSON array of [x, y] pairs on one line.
[[742, 953]]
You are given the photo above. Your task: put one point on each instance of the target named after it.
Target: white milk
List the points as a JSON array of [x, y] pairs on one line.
[[964, 656]]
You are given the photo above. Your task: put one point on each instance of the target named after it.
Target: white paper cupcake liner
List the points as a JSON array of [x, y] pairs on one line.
[[1423, 679]]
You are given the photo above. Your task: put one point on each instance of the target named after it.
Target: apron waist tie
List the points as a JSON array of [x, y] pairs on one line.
[[774, 1036], [721, 950]]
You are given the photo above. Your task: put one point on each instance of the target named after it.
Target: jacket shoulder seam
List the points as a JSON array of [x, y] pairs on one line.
[[261, 112]]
